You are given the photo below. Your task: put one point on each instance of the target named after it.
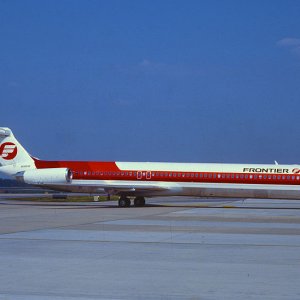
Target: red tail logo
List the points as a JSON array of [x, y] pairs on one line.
[[8, 151]]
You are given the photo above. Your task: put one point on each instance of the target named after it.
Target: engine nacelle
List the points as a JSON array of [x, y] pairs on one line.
[[46, 176]]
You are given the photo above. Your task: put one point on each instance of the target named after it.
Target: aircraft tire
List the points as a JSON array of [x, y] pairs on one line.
[[128, 202], [124, 202], [139, 201]]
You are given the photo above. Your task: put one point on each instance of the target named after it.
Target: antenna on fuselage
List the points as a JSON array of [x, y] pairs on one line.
[[276, 163]]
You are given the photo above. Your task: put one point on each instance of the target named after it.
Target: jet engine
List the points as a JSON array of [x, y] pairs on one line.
[[46, 176]]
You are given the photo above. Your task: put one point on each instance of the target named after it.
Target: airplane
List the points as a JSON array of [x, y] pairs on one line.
[[138, 180]]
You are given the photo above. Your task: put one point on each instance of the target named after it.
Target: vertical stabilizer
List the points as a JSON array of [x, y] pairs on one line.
[[13, 157]]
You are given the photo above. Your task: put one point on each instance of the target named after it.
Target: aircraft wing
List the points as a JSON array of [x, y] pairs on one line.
[[112, 187]]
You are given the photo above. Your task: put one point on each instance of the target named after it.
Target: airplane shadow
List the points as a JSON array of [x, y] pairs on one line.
[[227, 205]]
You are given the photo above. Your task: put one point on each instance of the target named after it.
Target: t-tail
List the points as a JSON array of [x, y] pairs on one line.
[[13, 157], [16, 163]]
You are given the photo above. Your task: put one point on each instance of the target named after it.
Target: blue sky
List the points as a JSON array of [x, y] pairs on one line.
[[188, 81]]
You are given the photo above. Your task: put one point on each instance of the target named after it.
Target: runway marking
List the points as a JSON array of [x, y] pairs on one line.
[[146, 242]]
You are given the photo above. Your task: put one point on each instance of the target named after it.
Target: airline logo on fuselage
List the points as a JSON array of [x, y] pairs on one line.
[[296, 171], [8, 151], [266, 170]]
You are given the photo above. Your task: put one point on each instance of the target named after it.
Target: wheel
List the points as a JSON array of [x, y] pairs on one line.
[[124, 202], [128, 202], [139, 201]]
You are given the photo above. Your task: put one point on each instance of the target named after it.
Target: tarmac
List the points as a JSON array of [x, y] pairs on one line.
[[174, 248]]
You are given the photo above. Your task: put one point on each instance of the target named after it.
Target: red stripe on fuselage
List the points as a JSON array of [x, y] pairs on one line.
[[77, 165], [87, 170]]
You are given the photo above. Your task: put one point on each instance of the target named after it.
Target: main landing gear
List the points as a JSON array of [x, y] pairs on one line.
[[125, 201]]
